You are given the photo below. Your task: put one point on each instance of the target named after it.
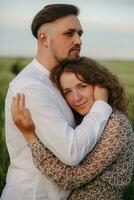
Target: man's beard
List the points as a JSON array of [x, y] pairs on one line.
[[68, 57], [76, 48], [74, 57]]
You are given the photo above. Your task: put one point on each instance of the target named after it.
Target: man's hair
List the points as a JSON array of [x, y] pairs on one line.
[[51, 13]]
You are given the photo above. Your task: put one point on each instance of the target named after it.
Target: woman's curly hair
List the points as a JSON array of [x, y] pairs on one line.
[[95, 74]]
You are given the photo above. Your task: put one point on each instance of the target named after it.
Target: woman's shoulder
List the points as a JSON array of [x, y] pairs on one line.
[[120, 120], [119, 117]]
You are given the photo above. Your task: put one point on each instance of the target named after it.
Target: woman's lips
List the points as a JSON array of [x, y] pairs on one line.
[[80, 106]]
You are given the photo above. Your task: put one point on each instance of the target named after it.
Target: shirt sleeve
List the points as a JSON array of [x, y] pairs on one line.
[[68, 178], [69, 144]]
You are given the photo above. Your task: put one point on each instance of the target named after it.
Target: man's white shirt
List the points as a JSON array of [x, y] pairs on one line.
[[55, 127]]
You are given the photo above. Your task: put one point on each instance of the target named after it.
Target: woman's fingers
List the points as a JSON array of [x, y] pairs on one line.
[[15, 103], [21, 115], [14, 108], [21, 104], [17, 107], [100, 93]]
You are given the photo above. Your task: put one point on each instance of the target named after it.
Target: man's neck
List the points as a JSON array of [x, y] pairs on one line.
[[48, 63]]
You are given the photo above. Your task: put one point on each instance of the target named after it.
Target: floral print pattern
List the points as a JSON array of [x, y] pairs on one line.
[[104, 173]]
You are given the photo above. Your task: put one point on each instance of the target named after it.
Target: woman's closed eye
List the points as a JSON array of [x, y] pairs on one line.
[[66, 93]]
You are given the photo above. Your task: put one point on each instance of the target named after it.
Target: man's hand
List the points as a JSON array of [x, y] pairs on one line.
[[100, 93], [22, 118]]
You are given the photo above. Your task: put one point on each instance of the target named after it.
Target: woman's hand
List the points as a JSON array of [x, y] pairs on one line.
[[100, 93], [22, 118]]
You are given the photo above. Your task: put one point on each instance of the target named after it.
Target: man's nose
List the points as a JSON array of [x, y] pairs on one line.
[[77, 39]]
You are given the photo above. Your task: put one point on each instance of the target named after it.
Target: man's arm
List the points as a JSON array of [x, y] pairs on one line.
[[68, 144]]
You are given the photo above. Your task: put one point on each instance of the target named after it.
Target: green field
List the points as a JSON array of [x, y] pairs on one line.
[[9, 67], [125, 72]]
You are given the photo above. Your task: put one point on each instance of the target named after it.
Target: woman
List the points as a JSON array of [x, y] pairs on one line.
[[107, 170]]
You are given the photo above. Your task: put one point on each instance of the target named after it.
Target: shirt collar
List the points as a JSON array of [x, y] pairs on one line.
[[41, 67]]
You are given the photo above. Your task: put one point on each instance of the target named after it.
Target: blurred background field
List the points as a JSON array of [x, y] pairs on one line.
[[11, 66]]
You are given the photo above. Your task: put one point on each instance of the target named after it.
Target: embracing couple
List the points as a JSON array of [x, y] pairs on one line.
[[67, 132]]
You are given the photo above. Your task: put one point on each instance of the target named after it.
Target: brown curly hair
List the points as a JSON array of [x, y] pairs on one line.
[[95, 74]]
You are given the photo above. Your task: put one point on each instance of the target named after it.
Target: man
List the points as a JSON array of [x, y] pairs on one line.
[[58, 32]]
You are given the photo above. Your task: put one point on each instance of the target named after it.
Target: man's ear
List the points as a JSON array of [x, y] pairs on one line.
[[43, 39]]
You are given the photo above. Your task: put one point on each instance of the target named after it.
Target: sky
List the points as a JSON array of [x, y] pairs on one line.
[[108, 27]]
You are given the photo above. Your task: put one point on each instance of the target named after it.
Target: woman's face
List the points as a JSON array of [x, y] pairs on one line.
[[78, 94]]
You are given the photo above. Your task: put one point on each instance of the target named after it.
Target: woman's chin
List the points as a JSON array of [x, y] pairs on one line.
[[82, 112]]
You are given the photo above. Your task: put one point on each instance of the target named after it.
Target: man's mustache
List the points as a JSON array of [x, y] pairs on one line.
[[76, 48]]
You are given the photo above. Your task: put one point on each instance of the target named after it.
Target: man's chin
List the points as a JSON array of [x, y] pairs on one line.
[[70, 57], [74, 56]]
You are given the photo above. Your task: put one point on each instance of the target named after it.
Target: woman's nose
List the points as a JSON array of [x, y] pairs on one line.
[[77, 96]]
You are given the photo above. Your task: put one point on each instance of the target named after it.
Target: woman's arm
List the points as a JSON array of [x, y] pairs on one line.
[[66, 177], [45, 111]]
